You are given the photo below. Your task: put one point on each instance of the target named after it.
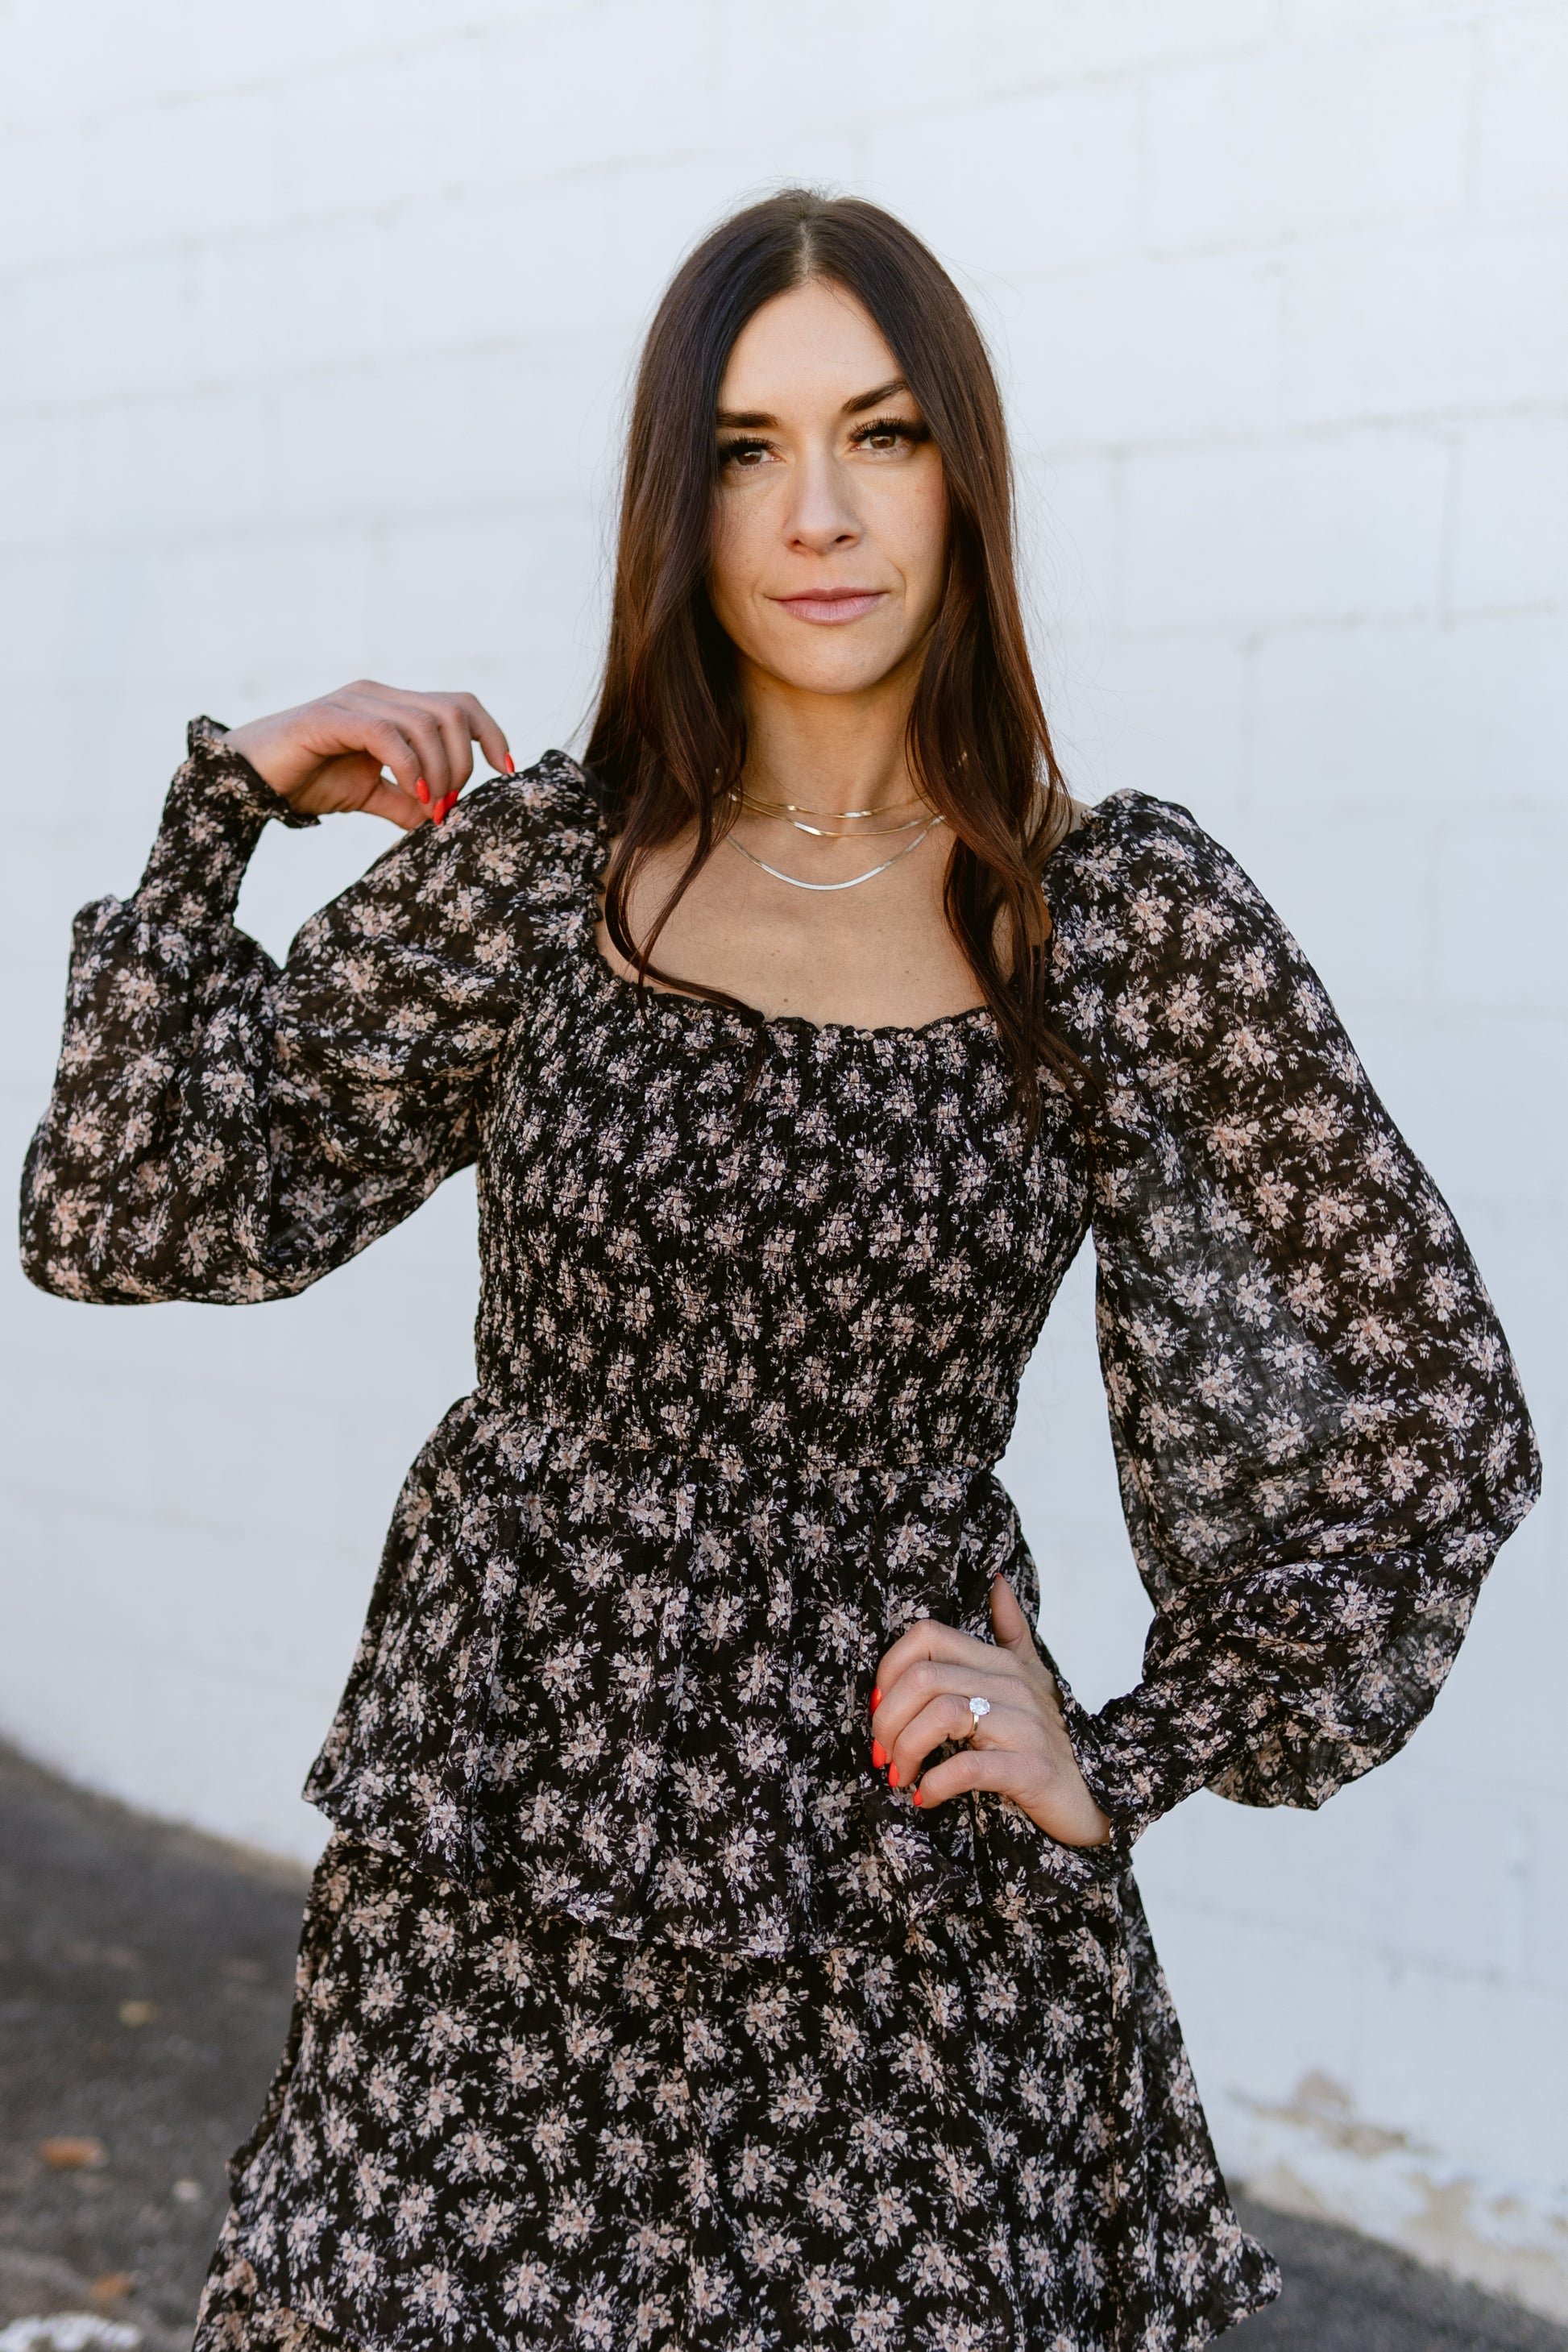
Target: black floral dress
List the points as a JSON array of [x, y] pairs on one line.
[[634, 2010]]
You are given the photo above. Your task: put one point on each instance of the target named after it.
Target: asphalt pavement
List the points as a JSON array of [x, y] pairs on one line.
[[144, 1984]]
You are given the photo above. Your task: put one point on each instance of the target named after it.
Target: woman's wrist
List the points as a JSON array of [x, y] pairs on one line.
[[380, 750], [216, 810], [263, 744]]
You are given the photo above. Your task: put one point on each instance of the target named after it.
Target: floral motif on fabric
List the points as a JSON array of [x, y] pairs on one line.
[[791, 2062]]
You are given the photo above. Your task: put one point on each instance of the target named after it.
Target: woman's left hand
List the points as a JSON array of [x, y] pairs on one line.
[[1020, 1748]]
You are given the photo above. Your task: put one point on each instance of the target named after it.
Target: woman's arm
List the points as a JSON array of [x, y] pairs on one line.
[[1319, 1428], [223, 1130]]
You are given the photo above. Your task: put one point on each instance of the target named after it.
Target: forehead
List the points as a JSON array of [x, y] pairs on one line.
[[811, 348]]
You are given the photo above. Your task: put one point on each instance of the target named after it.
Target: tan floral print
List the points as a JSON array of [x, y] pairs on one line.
[[635, 2009]]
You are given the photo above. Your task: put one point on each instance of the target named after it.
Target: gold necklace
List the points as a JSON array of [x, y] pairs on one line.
[[793, 813], [839, 831], [869, 876], [799, 808]]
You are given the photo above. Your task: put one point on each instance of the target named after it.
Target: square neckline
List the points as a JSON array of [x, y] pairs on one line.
[[751, 1016]]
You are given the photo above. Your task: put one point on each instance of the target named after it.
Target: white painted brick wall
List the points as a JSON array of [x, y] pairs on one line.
[[316, 322]]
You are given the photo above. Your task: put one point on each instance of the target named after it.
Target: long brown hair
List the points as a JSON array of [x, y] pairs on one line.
[[669, 737]]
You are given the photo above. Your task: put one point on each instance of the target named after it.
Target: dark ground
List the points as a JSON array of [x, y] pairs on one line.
[[144, 1979]]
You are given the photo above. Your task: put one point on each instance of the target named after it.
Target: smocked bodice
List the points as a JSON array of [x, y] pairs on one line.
[[722, 1238]]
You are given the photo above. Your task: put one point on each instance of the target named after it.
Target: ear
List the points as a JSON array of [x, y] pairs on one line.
[[1008, 1622]]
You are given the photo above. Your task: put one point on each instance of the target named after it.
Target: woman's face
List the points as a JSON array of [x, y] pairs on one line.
[[830, 530]]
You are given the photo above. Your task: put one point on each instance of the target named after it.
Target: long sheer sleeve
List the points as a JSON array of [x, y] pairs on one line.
[[1319, 1429], [223, 1129]]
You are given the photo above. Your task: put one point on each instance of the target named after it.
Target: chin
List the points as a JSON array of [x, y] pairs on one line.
[[853, 671]]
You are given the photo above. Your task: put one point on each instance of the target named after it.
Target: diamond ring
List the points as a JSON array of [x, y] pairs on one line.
[[977, 1707]]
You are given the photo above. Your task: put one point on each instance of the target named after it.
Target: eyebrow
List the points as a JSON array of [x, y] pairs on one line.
[[757, 419]]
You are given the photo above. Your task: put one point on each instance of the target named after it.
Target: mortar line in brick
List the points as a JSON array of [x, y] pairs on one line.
[[1401, 422], [1246, 727], [1448, 530], [1473, 119], [1339, 1938], [1149, 250]]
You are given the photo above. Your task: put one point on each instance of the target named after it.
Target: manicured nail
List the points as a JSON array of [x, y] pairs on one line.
[[879, 1754], [422, 788], [892, 1776], [510, 765], [916, 1795], [876, 1700]]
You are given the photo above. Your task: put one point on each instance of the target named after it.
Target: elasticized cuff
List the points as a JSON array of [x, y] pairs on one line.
[[213, 818], [1083, 1731], [207, 745], [1023, 1870]]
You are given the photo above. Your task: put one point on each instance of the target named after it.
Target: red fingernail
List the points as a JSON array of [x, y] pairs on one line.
[[876, 1700], [916, 1795], [879, 1754], [422, 788], [892, 1776], [510, 765]]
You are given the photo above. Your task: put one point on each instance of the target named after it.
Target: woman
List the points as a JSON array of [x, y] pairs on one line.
[[728, 1937]]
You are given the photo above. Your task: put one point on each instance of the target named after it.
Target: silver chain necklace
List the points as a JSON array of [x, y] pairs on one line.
[[854, 879]]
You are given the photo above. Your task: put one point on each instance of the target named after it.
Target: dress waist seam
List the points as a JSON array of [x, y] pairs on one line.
[[599, 1440]]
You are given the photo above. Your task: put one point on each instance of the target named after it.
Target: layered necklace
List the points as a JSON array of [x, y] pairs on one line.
[[838, 824]]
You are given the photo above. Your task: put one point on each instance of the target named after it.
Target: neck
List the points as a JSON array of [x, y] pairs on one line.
[[828, 751]]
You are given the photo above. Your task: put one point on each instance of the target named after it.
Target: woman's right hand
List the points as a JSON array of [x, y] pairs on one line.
[[328, 756]]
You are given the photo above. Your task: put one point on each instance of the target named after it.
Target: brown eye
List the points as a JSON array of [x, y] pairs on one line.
[[884, 435]]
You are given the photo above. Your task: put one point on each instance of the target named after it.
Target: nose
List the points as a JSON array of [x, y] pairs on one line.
[[821, 515]]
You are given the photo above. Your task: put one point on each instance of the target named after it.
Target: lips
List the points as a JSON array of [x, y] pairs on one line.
[[832, 603]]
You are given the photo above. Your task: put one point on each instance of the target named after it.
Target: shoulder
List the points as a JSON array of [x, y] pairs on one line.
[[516, 853], [535, 834], [1142, 876], [557, 794], [547, 812], [1162, 945], [1130, 837]]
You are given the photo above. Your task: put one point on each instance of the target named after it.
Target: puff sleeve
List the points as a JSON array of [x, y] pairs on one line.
[[223, 1129], [1319, 1430]]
